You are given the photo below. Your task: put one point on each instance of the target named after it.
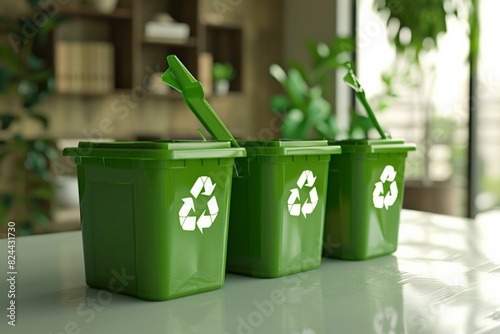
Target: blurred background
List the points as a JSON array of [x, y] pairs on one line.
[[90, 70]]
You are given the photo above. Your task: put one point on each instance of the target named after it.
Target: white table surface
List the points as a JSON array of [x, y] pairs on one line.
[[445, 278]]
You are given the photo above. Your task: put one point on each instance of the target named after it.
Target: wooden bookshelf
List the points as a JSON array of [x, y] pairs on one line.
[[136, 55]]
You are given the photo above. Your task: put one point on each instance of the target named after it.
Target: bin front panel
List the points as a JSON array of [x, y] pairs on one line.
[[278, 205], [365, 197], [134, 217]]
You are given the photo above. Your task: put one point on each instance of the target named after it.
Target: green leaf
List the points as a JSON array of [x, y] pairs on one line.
[[382, 106], [33, 100], [318, 110], [365, 123], [293, 126], [25, 228], [387, 79], [34, 3], [296, 88], [7, 120], [315, 92], [42, 193], [51, 85], [341, 45], [35, 63], [278, 73], [7, 199], [27, 88], [302, 69], [10, 24], [323, 50], [5, 78], [312, 47], [40, 76], [10, 60], [40, 219], [279, 103], [41, 118], [223, 71], [328, 129]]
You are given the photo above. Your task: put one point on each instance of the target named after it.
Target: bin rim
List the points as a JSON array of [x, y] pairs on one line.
[[286, 147], [159, 150], [374, 145]]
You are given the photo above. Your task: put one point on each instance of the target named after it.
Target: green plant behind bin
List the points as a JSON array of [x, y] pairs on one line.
[[305, 109], [223, 71], [26, 193]]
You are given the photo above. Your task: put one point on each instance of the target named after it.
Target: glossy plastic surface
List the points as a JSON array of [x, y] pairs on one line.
[[158, 210], [131, 201], [362, 220], [444, 278], [265, 238]]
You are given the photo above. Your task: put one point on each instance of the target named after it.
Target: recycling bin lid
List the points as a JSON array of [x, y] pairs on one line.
[[374, 145], [178, 77], [164, 150], [283, 147]]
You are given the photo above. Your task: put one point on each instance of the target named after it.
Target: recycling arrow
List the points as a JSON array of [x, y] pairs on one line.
[[205, 221], [307, 179], [308, 176], [380, 199], [202, 182], [202, 186], [187, 223], [294, 208], [308, 208]]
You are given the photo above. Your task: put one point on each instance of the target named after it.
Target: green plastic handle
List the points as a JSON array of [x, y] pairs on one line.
[[178, 77], [352, 81]]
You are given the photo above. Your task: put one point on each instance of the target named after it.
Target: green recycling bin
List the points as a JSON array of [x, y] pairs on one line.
[[278, 207], [365, 197], [154, 215]]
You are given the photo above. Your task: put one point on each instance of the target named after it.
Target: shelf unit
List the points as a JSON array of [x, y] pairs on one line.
[[136, 56]]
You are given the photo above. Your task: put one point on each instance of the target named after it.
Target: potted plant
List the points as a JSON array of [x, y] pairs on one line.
[[305, 107], [223, 74], [26, 187]]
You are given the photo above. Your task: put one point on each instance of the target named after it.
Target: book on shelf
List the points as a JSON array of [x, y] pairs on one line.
[[205, 69], [84, 67]]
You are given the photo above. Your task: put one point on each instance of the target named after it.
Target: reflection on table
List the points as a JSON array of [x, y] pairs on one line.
[[445, 278]]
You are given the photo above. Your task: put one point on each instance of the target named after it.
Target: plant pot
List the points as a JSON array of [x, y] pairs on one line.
[[221, 87]]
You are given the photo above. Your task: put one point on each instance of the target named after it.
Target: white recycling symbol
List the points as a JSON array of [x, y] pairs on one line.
[[307, 179], [379, 198], [189, 222]]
